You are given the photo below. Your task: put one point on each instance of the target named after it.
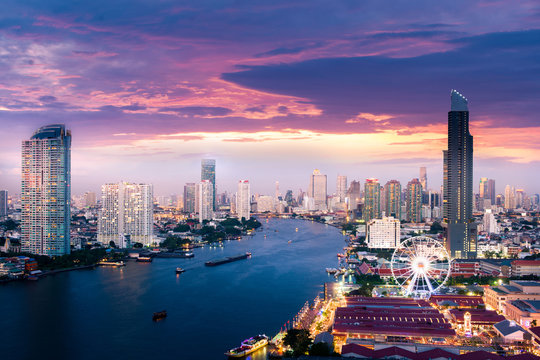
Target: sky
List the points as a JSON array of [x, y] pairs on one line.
[[270, 89]]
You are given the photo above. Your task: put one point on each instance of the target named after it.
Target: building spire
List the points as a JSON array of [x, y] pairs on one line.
[[458, 101]]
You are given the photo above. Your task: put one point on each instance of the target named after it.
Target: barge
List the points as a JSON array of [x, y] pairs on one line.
[[228, 259]]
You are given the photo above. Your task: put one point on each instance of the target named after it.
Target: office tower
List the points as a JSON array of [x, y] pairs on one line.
[[277, 191], [243, 200], [289, 198], [46, 191], [208, 172], [3, 204], [190, 190], [434, 199], [372, 200], [482, 188], [341, 187], [318, 190], [353, 194], [265, 203], [423, 178], [414, 201], [460, 229], [520, 198], [392, 199], [383, 233], [490, 191], [509, 197], [89, 199], [205, 191], [126, 215]]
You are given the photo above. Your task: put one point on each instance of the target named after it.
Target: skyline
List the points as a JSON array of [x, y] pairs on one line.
[[249, 97]]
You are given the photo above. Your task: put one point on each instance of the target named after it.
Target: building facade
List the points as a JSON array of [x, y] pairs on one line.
[[372, 200], [190, 190], [208, 172], [460, 229], [392, 199], [126, 215], [243, 200], [46, 192], [318, 190], [414, 201], [3, 204], [205, 191], [384, 233]]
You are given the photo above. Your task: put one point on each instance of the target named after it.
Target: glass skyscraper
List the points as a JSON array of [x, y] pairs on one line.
[[208, 172], [46, 191], [460, 232]]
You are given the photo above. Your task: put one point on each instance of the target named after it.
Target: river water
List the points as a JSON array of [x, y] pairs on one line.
[[107, 312]]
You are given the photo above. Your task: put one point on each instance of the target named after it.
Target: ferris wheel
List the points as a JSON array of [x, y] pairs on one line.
[[420, 266]]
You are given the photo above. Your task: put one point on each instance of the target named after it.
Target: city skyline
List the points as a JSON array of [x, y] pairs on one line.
[[254, 101]]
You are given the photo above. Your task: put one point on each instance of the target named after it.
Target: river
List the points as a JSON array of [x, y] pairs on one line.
[[107, 312]]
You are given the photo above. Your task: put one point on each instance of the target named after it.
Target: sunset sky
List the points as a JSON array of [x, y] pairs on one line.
[[270, 89]]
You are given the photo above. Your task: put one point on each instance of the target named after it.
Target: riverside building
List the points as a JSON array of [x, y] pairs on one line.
[[126, 215], [46, 191]]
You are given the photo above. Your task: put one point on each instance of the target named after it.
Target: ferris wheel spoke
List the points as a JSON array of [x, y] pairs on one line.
[[411, 286], [428, 284]]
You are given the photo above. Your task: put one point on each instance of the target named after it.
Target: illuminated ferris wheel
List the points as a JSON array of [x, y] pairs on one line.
[[420, 266]]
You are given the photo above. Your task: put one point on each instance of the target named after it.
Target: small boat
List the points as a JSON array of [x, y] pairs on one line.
[[32, 278], [144, 259], [331, 270], [341, 255], [296, 230], [160, 315], [290, 241], [179, 270], [248, 346]]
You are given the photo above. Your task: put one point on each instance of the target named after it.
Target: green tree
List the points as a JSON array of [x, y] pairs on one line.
[[320, 349], [435, 228], [299, 340]]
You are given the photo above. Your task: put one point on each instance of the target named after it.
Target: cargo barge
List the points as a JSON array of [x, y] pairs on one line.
[[228, 259]]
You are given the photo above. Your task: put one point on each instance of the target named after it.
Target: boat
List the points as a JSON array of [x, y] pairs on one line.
[[331, 270], [160, 315], [111, 263], [144, 259], [248, 346], [228, 259], [341, 255], [32, 278], [179, 270], [290, 241], [296, 230]]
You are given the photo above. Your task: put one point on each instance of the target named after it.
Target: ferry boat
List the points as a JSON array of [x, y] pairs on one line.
[[228, 259], [112, 263], [179, 270], [248, 346], [160, 315], [144, 259], [331, 270]]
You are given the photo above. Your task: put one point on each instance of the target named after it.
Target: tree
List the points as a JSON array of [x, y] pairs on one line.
[[299, 340], [435, 228], [320, 349], [137, 245], [112, 244], [182, 228]]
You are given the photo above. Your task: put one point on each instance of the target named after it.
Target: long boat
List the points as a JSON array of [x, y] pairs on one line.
[[248, 346], [227, 259]]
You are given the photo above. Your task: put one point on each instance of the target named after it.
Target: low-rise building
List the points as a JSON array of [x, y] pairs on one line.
[[383, 233], [525, 267], [496, 297], [524, 312], [510, 331]]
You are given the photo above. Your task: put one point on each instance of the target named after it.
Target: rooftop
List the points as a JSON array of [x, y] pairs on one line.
[[458, 101]]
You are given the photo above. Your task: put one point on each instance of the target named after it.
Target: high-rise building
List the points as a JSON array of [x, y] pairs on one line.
[[414, 201], [490, 223], [208, 172], [243, 200], [509, 197], [392, 199], [353, 194], [126, 215], [318, 189], [89, 199], [205, 191], [46, 191], [520, 198], [341, 187], [190, 190], [3, 204], [277, 191], [383, 233], [372, 200], [460, 228], [423, 178]]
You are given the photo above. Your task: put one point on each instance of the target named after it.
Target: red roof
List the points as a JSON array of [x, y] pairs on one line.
[[526, 262]]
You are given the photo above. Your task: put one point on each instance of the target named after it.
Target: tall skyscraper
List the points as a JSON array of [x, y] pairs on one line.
[[414, 201], [243, 200], [423, 178], [205, 191], [482, 188], [208, 172], [190, 190], [490, 193], [341, 187], [89, 199], [126, 215], [509, 197], [353, 194], [318, 189], [460, 230], [46, 191], [392, 199], [520, 198], [3, 204], [372, 200]]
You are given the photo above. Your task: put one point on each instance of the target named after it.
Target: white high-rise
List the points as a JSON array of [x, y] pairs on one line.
[[490, 223], [46, 192], [243, 200], [341, 187], [318, 190], [383, 233], [205, 192], [126, 215]]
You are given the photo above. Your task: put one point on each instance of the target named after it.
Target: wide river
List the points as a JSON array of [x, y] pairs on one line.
[[106, 313]]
